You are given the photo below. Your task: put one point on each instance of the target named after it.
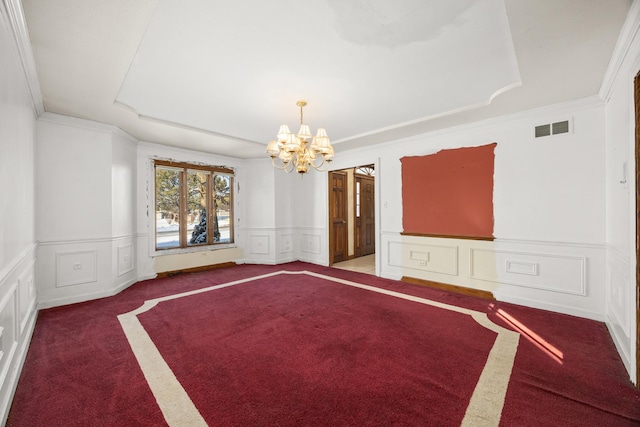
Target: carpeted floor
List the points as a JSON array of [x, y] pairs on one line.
[[249, 345]]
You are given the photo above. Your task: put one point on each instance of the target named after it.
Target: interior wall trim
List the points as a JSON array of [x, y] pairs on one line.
[[13, 265], [524, 118], [88, 240], [86, 124], [524, 241], [625, 40], [580, 260], [18, 25], [612, 250], [86, 297]]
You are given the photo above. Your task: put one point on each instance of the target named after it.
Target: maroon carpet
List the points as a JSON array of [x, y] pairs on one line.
[[296, 350]]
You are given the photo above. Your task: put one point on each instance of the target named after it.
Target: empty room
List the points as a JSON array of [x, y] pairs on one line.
[[326, 212]]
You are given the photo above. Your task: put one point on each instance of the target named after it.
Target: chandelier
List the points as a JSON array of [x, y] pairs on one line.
[[296, 153]]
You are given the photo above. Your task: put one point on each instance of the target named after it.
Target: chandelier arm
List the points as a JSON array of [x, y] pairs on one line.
[[284, 166], [322, 167], [322, 162]]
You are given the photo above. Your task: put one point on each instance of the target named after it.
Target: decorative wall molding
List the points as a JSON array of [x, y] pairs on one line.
[[16, 21], [26, 295], [286, 243], [17, 321], [425, 257], [564, 277], [625, 40], [523, 241], [89, 240], [76, 267], [125, 259], [310, 243], [14, 264], [90, 125], [525, 118], [88, 296], [259, 244], [558, 269]]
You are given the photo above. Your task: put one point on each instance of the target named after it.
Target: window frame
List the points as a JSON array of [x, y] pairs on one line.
[[183, 237]]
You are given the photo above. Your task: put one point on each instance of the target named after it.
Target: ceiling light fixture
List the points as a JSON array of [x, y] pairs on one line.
[[295, 152]]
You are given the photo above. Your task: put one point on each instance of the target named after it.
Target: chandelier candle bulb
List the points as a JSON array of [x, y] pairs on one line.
[[296, 153]]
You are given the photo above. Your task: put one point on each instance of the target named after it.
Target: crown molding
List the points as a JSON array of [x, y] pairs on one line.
[[15, 15], [91, 125], [522, 117], [627, 36]]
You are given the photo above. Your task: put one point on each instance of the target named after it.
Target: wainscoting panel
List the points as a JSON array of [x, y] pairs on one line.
[[285, 245], [429, 258], [564, 277], [312, 245], [259, 244], [76, 268], [558, 273], [82, 270], [26, 296], [619, 309], [281, 245], [125, 259], [17, 320]]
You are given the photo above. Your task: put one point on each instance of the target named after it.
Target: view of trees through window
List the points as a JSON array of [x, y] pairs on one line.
[[193, 205]]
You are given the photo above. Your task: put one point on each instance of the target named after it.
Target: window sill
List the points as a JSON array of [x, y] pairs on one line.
[[203, 248]]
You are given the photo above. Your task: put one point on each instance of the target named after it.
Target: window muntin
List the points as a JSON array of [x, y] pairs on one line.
[[193, 205]]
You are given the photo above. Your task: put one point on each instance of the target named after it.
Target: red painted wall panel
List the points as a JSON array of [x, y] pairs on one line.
[[449, 193]]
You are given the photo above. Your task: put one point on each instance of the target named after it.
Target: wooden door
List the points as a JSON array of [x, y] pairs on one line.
[[337, 217], [367, 215]]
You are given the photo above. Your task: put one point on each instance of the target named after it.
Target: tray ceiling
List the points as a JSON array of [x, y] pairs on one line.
[[222, 76]]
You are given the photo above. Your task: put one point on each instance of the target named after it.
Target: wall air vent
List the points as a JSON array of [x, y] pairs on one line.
[[560, 127], [543, 130], [555, 128]]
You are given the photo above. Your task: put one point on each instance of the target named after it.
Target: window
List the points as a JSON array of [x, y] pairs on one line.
[[193, 205]]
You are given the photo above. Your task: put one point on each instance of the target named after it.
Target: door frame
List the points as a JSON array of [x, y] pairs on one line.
[[636, 97], [378, 206]]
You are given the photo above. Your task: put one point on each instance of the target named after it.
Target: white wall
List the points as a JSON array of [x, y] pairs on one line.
[[621, 191], [549, 214], [17, 229], [85, 187]]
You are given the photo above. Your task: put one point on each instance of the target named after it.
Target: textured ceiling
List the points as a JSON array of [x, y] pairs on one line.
[[222, 76]]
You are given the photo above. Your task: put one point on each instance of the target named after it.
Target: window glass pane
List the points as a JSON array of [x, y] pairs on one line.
[[167, 208], [357, 199], [197, 207], [222, 205]]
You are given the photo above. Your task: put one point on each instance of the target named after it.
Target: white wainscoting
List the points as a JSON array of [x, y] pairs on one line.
[[558, 276], [260, 245], [124, 259], [18, 314], [82, 270], [313, 245], [619, 311], [285, 244]]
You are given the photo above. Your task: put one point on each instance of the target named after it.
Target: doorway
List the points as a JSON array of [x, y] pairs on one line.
[[352, 233]]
